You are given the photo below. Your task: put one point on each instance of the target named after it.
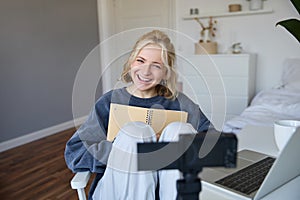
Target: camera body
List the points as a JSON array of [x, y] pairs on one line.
[[190, 154]]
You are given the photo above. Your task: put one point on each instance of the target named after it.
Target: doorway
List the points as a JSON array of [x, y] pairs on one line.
[[121, 22]]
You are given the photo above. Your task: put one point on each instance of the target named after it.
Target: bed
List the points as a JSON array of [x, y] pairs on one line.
[[282, 102]]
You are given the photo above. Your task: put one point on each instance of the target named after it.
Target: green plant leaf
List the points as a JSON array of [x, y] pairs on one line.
[[293, 26], [296, 4]]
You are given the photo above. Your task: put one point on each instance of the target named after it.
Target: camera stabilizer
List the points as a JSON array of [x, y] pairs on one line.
[[190, 154]]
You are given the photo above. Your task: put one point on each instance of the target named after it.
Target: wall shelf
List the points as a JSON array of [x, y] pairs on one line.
[[227, 14]]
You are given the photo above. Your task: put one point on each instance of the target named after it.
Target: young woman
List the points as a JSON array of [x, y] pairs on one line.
[[150, 70]]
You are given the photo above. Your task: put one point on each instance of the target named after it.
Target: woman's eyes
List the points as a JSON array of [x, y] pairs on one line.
[[141, 61], [157, 66]]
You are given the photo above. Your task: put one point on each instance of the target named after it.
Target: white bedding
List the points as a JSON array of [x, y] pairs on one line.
[[273, 104], [266, 107]]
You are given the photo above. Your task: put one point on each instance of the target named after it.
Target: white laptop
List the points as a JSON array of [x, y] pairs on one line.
[[283, 169]]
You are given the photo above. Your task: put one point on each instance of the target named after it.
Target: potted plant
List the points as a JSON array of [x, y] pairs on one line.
[[206, 43], [292, 25]]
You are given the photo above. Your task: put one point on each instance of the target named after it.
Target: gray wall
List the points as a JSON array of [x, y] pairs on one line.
[[42, 44]]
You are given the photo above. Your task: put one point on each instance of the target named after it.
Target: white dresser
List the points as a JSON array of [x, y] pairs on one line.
[[222, 84]]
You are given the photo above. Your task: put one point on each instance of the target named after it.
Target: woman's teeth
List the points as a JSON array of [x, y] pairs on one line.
[[144, 79]]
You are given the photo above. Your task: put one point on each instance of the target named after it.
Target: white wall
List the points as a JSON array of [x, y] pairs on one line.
[[257, 34]]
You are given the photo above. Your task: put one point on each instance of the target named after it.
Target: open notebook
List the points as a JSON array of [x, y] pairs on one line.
[[158, 119]]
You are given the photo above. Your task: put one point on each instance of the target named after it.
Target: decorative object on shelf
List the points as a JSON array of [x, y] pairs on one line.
[[194, 11], [236, 48], [204, 15], [234, 7], [256, 4], [207, 32], [206, 45], [292, 25], [206, 48]]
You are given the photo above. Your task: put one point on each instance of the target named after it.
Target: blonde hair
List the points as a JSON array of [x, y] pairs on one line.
[[156, 37]]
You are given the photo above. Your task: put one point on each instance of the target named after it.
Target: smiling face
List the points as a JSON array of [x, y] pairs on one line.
[[147, 71]]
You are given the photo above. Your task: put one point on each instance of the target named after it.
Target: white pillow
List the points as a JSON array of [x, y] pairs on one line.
[[291, 72]]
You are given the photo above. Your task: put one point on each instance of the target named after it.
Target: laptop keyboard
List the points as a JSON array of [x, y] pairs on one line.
[[249, 179]]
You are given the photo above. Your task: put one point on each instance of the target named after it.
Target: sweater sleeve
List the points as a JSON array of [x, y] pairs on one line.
[[195, 115], [204, 123], [88, 149]]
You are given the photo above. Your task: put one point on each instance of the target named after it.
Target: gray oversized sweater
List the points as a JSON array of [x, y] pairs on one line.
[[88, 149]]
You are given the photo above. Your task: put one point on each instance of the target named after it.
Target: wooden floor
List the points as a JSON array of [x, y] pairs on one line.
[[37, 170]]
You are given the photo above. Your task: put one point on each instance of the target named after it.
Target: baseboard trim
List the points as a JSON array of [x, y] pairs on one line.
[[9, 144]]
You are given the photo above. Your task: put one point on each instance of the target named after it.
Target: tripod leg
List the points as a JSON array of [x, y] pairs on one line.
[[188, 190]]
